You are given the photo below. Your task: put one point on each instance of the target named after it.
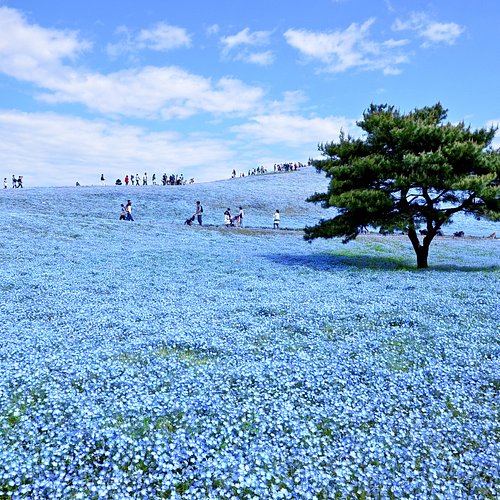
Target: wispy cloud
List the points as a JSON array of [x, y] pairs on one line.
[[246, 37], [294, 130], [164, 37], [432, 32], [290, 103], [161, 37], [30, 52], [153, 92], [240, 47], [42, 57], [213, 29], [63, 148], [265, 58], [341, 50]]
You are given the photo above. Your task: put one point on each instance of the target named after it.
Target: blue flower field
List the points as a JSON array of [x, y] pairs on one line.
[[151, 359]]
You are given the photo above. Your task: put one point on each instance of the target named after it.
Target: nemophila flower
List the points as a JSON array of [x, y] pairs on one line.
[[155, 359]]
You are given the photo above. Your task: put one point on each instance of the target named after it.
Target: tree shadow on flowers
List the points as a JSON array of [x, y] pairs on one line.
[[332, 262]]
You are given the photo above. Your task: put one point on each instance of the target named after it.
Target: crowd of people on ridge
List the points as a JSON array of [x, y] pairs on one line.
[[172, 179], [278, 167], [17, 182], [137, 180]]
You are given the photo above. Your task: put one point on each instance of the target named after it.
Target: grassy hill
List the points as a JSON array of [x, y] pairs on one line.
[[156, 360], [259, 195]]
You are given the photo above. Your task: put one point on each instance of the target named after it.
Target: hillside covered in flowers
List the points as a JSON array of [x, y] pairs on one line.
[[152, 359]]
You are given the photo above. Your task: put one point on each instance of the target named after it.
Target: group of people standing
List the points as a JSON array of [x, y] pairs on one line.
[[132, 180], [237, 220], [278, 167], [17, 182], [137, 180]]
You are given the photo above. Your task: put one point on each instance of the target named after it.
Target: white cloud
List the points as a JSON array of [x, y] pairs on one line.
[[291, 102], [391, 43], [213, 29], [238, 47], [442, 32], [164, 37], [294, 130], [50, 149], [431, 31], [36, 55], [246, 37], [161, 37], [389, 6], [29, 52], [350, 48], [260, 58], [126, 45], [168, 92]]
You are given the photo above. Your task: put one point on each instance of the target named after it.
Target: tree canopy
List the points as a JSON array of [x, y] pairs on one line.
[[410, 172]]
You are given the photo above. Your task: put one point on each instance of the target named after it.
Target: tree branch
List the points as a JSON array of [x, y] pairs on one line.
[[436, 199], [467, 203]]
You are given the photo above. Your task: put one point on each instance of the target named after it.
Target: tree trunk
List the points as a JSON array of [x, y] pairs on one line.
[[421, 250], [422, 253]]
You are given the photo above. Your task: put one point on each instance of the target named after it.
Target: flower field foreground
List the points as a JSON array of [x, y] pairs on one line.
[[151, 359]]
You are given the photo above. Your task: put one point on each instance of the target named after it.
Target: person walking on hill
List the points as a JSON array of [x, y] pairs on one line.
[[276, 219], [5, 182], [103, 181], [199, 213], [128, 209]]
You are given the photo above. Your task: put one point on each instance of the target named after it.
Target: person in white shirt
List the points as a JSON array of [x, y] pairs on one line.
[[276, 219], [240, 217], [227, 218]]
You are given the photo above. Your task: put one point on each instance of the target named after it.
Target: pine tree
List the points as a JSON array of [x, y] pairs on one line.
[[409, 172]]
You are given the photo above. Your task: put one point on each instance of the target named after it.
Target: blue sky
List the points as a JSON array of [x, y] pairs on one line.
[[201, 87]]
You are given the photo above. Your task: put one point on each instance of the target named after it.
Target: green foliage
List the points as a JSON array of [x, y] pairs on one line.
[[409, 171]]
